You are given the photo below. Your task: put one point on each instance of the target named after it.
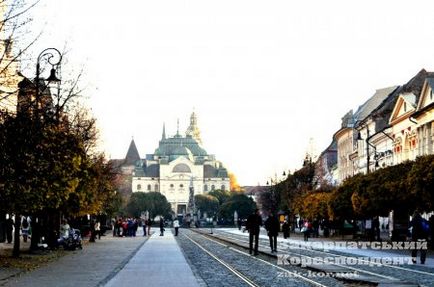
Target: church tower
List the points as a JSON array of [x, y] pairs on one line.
[[193, 129]]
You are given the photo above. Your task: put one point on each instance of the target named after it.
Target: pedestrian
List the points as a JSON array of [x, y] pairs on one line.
[[92, 231], [162, 226], [144, 227], [253, 225], [272, 226], [239, 223], [307, 226], [419, 234], [285, 229], [149, 226], [176, 226], [9, 229], [98, 229], [25, 227]]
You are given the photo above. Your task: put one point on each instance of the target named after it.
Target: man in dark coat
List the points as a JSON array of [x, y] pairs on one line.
[[285, 229], [162, 226], [254, 222], [419, 234], [273, 227]]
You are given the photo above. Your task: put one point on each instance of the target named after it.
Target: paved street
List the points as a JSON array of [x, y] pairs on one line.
[[94, 265], [159, 262]]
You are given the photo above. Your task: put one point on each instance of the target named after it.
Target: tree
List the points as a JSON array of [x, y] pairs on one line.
[[420, 183], [234, 186], [240, 203], [13, 20], [206, 203], [221, 195], [153, 202]]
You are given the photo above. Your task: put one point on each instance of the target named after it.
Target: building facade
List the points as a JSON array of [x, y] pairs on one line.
[[180, 162]]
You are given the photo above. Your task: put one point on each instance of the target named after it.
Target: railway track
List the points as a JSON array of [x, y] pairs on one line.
[[292, 273], [369, 275]]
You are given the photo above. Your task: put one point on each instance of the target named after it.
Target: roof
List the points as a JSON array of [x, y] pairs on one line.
[[372, 103], [210, 171], [171, 146], [132, 154]]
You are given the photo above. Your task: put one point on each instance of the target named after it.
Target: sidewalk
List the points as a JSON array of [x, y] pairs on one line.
[[159, 262], [353, 251], [92, 266]]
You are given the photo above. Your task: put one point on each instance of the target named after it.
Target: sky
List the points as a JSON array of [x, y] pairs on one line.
[[264, 77]]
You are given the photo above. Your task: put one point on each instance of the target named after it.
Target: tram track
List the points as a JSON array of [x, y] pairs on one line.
[[295, 275], [369, 276]]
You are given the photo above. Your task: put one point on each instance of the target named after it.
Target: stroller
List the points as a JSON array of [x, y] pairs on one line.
[[72, 241]]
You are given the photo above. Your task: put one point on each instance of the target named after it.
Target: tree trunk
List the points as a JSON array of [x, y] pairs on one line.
[[17, 224], [36, 233]]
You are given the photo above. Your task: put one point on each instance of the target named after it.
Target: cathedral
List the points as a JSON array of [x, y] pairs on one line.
[[179, 162]]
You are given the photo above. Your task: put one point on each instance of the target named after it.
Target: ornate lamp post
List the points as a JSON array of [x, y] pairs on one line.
[[53, 57]]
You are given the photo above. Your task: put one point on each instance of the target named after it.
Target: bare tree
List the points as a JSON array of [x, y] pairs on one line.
[[13, 45]]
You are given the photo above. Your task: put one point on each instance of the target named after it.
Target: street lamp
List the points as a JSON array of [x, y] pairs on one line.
[[52, 57], [368, 157]]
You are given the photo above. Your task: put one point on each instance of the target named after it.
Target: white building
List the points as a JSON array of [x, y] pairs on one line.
[[178, 162]]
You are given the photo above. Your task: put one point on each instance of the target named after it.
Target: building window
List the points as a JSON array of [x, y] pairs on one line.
[[205, 187], [405, 106], [223, 187], [156, 187], [149, 187], [181, 185], [139, 187], [171, 185], [212, 187]]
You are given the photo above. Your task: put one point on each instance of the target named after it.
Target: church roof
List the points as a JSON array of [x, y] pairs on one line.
[[179, 146], [132, 155]]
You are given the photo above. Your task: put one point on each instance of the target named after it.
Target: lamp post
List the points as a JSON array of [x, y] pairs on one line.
[[52, 57], [368, 156]]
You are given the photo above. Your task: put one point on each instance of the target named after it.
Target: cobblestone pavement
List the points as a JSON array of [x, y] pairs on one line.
[[214, 274], [93, 266], [421, 275]]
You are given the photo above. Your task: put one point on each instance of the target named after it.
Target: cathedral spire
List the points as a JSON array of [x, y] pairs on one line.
[[164, 132], [193, 129]]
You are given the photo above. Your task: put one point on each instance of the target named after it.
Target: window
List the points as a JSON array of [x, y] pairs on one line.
[[181, 185], [139, 187], [156, 187], [205, 187], [223, 187], [149, 187], [171, 185], [405, 106], [182, 167], [212, 187]]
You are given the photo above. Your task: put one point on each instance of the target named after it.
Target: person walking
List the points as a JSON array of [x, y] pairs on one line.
[[419, 234], [162, 226], [272, 226], [254, 222], [285, 229], [149, 222], [144, 227], [98, 229], [176, 226], [25, 227]]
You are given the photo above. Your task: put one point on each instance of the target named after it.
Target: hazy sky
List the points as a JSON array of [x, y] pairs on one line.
[[263, 76]]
